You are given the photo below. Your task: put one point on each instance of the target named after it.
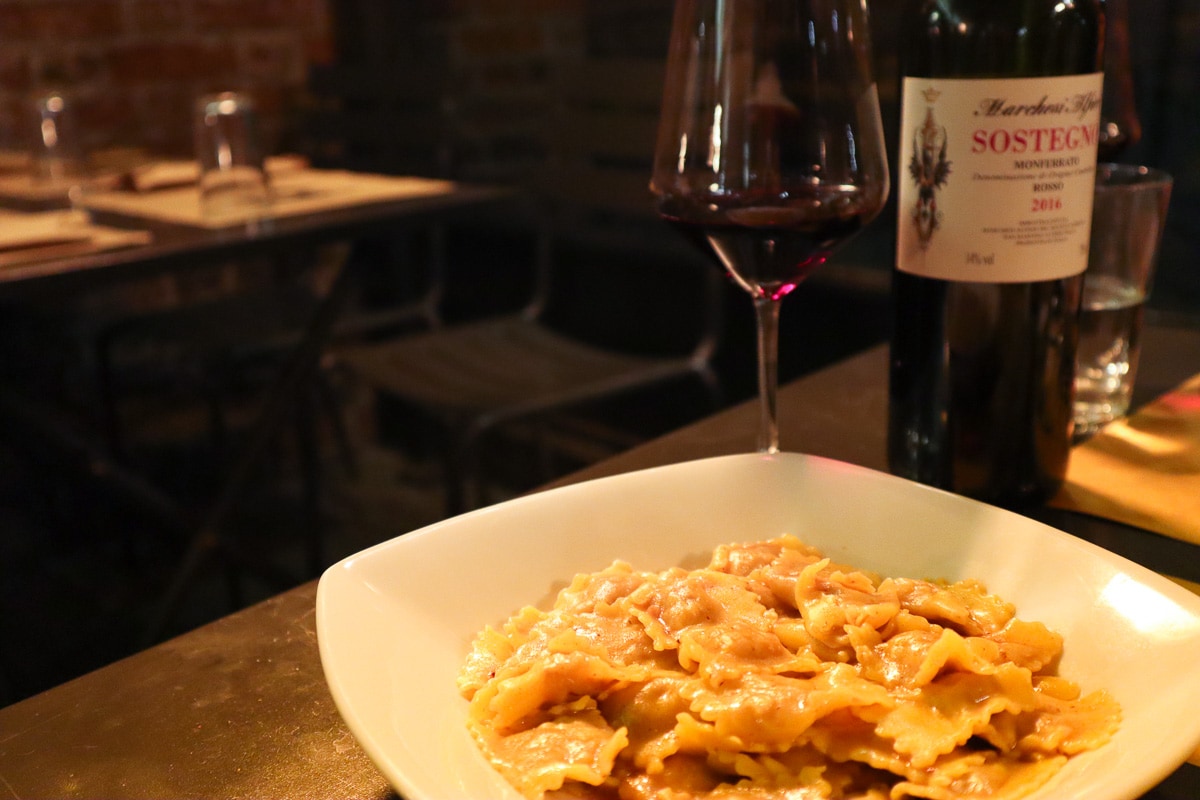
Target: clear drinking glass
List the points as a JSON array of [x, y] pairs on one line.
[[770, 146], [58, 165], [56, 154], [233, 176], [1128, 217]]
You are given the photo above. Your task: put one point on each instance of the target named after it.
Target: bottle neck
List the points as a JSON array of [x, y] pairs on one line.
[[986, 38]]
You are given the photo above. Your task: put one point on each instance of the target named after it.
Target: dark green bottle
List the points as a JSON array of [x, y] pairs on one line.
[[998, 139]]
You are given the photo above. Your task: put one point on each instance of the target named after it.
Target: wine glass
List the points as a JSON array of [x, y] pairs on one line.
[[770, 146]]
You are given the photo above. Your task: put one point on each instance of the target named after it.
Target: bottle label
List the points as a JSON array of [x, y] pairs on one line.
[[996, 177]]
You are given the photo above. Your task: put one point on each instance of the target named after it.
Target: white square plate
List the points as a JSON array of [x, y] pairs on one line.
[[394, 622]]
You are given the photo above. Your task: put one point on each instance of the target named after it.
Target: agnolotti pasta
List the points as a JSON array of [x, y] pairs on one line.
[[774, 673]]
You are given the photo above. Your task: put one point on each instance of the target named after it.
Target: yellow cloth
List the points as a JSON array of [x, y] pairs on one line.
[[1144, 470]]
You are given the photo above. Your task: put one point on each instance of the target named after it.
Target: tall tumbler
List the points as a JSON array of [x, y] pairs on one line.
[[233, 177], [56, 152], [1128, 216]]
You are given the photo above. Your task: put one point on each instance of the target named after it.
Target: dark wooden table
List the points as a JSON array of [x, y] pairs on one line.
[[239, 708]]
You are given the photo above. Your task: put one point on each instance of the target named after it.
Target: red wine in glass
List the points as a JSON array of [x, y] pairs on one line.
[[770, 249]]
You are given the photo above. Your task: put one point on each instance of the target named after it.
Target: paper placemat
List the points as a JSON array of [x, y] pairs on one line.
[[1143, 470], [31, 231], [30, 238], [297, 192]]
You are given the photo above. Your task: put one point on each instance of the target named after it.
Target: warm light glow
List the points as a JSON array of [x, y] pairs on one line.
[[1151, 444], [49, 134], [1146, 609], [714, 144]]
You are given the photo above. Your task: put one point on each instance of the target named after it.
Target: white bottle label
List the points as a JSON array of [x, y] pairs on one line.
[[996, 177]]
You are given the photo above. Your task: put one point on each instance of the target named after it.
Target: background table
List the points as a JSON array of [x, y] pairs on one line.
[[239, 708], [178, 247], [173, 249]]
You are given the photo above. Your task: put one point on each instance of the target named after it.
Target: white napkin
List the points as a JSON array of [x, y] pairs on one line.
[[163, 175], [170, 174]]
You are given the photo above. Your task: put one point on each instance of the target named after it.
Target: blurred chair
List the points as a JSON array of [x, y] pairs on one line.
[[587, 333], [203, 368], [475, 376], [213, 348]]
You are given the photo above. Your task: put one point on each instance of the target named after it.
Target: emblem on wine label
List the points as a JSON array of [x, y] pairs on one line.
[[929, 170]]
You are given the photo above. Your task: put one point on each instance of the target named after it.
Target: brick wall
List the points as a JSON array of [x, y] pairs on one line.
[[496, 65], [504, 57], [133, 67]]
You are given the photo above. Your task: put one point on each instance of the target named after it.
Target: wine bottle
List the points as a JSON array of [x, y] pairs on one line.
[[998, 140], [1120, 127]]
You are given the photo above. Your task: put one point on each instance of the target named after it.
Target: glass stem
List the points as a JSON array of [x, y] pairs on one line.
[[766, 312]]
